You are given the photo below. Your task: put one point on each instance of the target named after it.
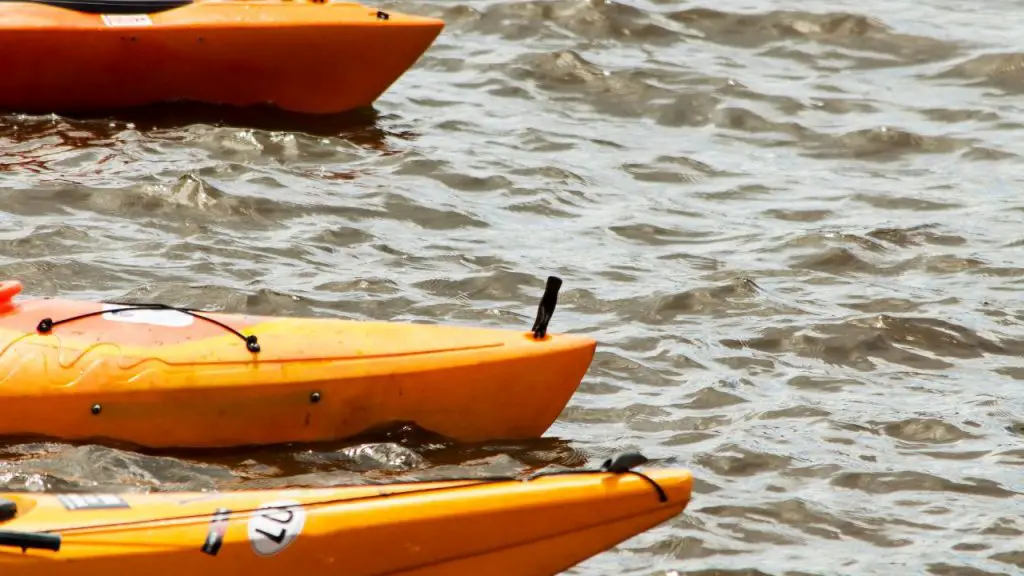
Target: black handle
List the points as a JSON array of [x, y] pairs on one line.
[[546, 307], [26, 540]]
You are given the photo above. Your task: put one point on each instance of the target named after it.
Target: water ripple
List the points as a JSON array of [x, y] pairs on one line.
[[794, 229]]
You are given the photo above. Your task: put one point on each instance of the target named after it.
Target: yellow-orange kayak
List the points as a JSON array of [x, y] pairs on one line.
[[308, 56], [161, 377], [498, 527]]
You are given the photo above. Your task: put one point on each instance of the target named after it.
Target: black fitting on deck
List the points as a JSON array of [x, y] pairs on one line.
[[26, 540], [8, 509], [624, 462], [546, 308]]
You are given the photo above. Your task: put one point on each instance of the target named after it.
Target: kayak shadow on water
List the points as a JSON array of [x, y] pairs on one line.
[[380, 458], [361, 126], [401, 451]]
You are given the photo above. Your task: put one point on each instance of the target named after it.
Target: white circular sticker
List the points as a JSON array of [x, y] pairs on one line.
[[275, 525], [155, 317]]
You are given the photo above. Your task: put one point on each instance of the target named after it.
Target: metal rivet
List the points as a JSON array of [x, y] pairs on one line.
[[314, 397], [96, 408]]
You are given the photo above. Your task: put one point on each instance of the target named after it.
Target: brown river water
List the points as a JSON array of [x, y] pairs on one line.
[[795, 229]]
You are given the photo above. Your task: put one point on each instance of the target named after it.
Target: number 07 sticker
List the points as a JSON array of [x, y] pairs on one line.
[[275, 525]]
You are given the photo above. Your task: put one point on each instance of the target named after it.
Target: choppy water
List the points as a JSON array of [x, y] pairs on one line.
[[794, 227]]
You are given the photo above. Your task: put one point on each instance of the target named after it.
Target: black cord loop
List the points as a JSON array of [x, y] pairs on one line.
[[46, 325]]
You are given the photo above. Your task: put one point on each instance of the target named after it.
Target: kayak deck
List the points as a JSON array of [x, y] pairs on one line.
[[160, 377], [300, 56], [535, 527], [111, 6]]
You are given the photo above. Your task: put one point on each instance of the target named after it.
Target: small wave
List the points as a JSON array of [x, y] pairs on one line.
[[884, 144], [590, 19], [1004, 70], [850, 31]]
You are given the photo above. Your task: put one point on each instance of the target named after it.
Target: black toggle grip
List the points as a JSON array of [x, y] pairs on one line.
[[546, 308]]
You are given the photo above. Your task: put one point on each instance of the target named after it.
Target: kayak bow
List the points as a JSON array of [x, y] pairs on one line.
[[306, 56], [155, 376]]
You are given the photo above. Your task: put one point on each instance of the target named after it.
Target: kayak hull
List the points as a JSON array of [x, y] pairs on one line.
[[166, 379], [538, 527], [296, 55]]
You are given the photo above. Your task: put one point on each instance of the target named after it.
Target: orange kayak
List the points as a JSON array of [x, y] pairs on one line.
[[309, 56], [162, 377], [499, 527]]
